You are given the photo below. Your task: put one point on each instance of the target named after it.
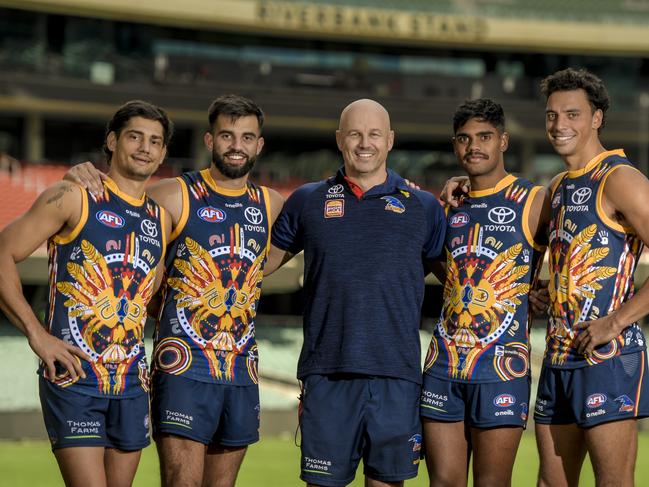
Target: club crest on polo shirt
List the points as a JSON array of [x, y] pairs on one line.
[[393, 204], [334, 208], [416, 442]]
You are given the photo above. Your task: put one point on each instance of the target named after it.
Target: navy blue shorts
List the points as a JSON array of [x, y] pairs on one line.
[[346, 418], [73, 419], [479, 405], [209, 413], [613, 390]]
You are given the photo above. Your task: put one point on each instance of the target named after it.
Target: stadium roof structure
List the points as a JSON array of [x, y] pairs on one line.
[[598, 11], [590, 26]]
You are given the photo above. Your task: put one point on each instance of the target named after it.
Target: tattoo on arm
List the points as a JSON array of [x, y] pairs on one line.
[[56, 199]]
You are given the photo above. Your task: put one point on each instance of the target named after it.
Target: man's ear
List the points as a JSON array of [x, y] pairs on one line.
[[208, 140], [339, 140], [390, 139], [111, 141], [504, 141], [598, 118]]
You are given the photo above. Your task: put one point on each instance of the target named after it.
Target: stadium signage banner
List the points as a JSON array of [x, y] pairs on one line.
[[422, 24], [374, 22]]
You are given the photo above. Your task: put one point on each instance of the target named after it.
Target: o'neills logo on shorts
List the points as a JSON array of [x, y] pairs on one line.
[[334, 208]]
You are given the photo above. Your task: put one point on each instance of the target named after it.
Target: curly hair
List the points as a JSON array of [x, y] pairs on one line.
[[572, 79]]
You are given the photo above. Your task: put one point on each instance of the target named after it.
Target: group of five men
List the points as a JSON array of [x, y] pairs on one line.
[[369, 238]]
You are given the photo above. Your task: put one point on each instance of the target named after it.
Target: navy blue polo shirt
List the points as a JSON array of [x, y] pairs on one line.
[[364, 273]]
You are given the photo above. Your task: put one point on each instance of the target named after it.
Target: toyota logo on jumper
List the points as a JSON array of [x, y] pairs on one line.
[[501, 215], [337, 189], [582, 195], [149, 228], [253, 215]]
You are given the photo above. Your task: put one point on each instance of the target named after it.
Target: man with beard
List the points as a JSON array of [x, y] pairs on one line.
[[205, 399]]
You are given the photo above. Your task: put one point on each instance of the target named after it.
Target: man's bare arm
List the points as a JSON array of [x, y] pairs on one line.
[[626, 193], [539, 217], [276, 256], [56, 210], [168, 194]]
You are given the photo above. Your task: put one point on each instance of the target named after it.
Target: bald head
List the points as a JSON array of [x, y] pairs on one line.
[[364, 139], [365, 107]]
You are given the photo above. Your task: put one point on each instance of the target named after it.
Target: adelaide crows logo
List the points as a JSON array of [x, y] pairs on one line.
[[626, 404], [393, 204]]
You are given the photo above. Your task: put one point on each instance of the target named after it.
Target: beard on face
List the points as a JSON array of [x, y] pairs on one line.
[[232, 172]]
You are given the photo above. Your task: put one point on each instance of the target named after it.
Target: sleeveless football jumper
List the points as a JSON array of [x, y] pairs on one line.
[[101, 278], [592, 262], [206, 330], [492, 263]]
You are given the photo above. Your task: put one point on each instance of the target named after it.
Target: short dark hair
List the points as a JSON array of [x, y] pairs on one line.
[[138, 108], [483, 109], [572, 79], [234, 106]]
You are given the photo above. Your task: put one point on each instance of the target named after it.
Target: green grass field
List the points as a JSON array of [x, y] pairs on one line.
[[273, 462]]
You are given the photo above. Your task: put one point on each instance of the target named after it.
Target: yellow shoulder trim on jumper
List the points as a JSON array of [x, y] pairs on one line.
[[526, 218], [59, 240], [264, 190], [205, 174], [502, 184], [599, 208], [184, 212]]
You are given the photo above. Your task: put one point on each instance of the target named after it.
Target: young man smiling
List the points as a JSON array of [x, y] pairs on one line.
[[205, 396], [105, 254], [476, 384], [593, 384]]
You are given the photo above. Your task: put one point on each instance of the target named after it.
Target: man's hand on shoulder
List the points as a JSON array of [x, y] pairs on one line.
[[87, 176], [454, 190], [411, 184]]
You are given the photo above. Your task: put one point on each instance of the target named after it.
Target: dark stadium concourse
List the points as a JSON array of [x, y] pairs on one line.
[[60, 74]]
